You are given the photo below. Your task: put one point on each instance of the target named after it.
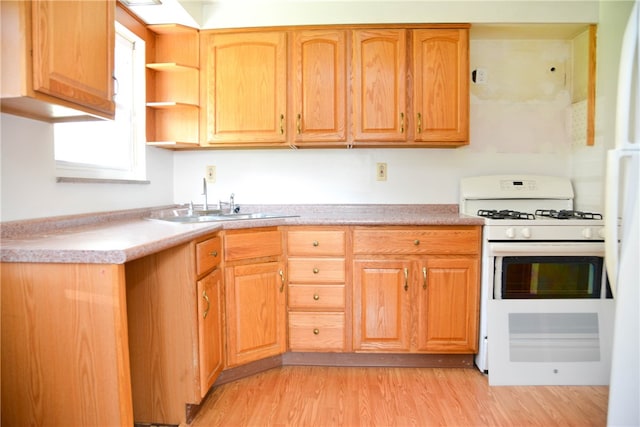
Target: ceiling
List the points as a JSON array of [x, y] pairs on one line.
[[192, 13]]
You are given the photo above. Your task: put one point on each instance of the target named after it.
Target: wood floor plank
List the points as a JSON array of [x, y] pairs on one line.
[[375, 396]]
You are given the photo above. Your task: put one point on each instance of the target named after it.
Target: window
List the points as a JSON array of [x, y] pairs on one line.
[[110, 149]]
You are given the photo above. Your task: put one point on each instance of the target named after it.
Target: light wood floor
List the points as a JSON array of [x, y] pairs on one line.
[[330, 396]]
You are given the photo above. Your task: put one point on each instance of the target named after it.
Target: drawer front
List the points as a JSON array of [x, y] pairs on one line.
[[316, 331], [255, 244], [316, 242], [322, 297], [316, 270], [208, 254], [436, 240]]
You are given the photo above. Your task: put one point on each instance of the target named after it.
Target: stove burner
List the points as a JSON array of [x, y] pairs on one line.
[[567, 214], [504, 214]]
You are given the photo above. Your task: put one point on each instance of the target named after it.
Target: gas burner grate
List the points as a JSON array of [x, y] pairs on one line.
[[567, 214], [504, 214]]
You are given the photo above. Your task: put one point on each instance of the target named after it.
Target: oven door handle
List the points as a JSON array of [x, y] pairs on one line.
[[543, 248]]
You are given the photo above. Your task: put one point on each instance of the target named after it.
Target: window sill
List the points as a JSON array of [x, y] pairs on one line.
[[73, 180]]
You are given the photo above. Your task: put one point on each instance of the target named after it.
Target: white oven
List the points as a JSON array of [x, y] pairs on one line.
[[550, 315], [546, 314]]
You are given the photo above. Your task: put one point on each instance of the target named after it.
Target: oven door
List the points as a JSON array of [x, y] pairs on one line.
[[550, 318]]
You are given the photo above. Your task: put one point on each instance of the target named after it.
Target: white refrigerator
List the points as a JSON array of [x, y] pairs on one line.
[[623, 242]]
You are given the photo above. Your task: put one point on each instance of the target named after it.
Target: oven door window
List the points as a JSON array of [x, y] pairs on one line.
[[551, 277]]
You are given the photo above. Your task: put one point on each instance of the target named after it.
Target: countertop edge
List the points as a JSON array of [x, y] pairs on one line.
[[128, 235]]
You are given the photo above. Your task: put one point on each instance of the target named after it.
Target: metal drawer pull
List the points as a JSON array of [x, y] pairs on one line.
[[424, 277], [406, 279], [419, 123], [316, 271], [316, 297], [281, 273], [316, 331], [416, 242], [316, 243], [206, 298], [299, 117], [213, 254], [401, 122], [281, 124]]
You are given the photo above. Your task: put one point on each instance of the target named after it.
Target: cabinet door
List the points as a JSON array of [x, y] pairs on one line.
[[245, 88], [379, 85], [73, 48], [319, 89], [255, 312], [448, 306], [210, 329], [441, 86], [381, 306]]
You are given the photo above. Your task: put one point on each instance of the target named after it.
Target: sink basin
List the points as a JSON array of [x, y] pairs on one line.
[[202, 217]]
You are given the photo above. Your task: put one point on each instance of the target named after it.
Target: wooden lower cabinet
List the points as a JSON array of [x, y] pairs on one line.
[[416, 303], [176, 351], [210, 329], [382, 301], [318, 288], [448, 306], [255, 295]]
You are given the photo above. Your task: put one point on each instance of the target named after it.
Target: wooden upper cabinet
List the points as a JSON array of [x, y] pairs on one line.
[[245, 88], [58, 58], [319, 87], [379, 85], [441, 86]]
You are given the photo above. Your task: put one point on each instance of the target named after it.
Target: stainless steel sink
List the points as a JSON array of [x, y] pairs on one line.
[[203, 216]]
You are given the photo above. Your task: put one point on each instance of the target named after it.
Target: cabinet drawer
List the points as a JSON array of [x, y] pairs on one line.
[[322, 297], [316, 331], [435, 240], [255, 244], [208, 254], [316, 242], [317, 270]]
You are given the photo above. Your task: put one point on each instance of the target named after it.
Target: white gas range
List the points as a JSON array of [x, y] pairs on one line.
[[546, 311]]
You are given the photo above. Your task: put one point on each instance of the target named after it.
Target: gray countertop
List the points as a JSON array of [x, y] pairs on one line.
[[118, 237]]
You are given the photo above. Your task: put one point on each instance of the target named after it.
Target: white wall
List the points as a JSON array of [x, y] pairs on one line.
[[29, 188], [588, 163]]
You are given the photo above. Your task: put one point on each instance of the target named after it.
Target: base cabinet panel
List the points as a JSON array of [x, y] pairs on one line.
[[255, 312]]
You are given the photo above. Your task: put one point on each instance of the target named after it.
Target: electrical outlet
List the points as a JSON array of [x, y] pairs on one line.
[[210, 174], [381, 171], [480, 76]]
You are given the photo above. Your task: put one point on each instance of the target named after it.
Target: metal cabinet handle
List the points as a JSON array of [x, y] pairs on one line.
[[206, 298], [281, 273], [213, 253], [316, 331], [416, 242], [316, 297], [316, 243], [424, 277], [281, 124], [419, 123], [406, 279], [316, 271], [299, 123], [401, 122]]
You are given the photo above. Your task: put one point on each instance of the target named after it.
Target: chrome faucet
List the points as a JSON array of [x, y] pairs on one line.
[[232, 204], [204, 192]]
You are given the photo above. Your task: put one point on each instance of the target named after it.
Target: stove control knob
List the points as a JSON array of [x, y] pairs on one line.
[[586, 233], [510, 233], [526, 233]]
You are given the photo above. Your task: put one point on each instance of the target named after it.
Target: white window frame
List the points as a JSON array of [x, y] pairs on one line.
[[136, 170]]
